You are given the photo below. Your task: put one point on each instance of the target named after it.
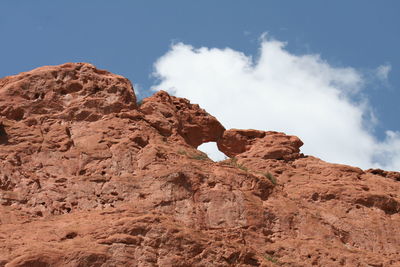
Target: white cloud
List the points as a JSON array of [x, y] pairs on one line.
[[383, 71], [389, 151], [297, 94]]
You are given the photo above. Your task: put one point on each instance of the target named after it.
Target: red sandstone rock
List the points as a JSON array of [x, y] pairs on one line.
[[259, 144], [387, 174], [171, 114], [88, 178], [72, 92]]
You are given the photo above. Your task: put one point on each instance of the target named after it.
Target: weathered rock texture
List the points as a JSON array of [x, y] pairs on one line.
[[89, 178]]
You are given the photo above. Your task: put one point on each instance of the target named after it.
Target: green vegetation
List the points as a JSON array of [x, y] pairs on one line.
[[196, 156], [270, 177], [272, 259], [199, 156], [234, 163], [182, 152]]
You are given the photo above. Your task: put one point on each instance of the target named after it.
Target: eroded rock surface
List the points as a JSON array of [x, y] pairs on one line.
[[90, 178], [260, 144], [173, 115]]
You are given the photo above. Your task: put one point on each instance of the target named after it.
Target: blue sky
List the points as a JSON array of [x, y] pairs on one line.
[[128, 37]]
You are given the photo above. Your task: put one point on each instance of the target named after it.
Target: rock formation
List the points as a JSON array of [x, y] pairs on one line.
[[90, 178]]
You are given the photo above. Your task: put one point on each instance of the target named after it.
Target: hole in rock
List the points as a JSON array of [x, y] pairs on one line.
[[71, 235], [75, 87], [96, 89], [212, 151], [3, 135]]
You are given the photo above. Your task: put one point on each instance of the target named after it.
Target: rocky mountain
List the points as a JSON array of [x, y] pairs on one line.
[[88, 177]]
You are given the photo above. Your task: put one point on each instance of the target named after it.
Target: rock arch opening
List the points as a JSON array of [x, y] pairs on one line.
[[211, 149]]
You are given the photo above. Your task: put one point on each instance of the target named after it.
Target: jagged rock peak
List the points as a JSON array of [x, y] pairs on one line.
[[72, 91], [169, 114]]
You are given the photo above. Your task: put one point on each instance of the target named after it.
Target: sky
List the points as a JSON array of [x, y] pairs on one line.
[[327, 72]]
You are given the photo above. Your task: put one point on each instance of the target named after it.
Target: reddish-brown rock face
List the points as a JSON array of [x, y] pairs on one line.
[[259, 144], [171, 114], [89, 178], [72, 92]]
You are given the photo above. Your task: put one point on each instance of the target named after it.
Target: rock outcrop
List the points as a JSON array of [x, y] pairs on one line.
[[88, 177], [260, 144], [173, 115]]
